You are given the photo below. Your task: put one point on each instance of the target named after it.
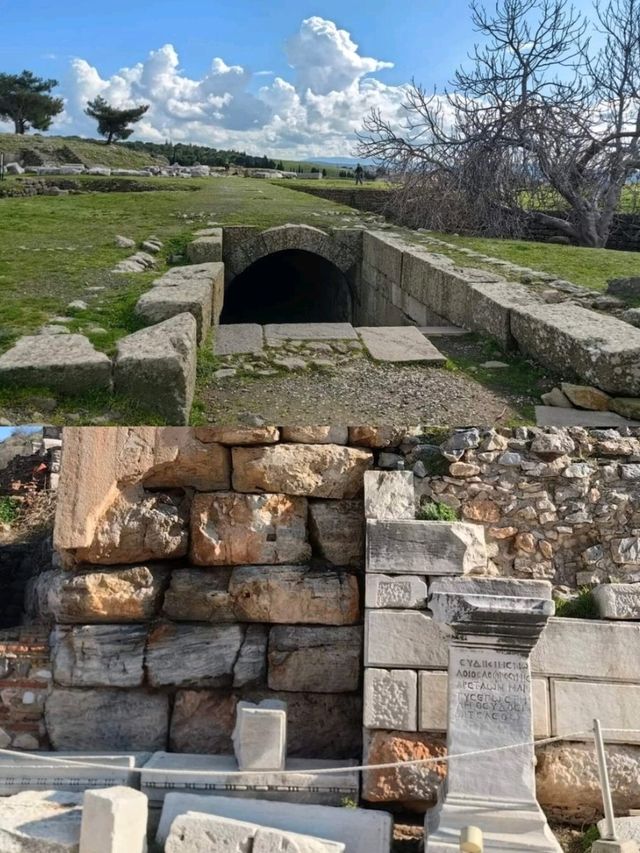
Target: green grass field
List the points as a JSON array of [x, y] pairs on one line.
[[69, 149]]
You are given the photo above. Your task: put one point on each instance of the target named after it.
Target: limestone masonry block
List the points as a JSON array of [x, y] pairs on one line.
[[250, 669], [238, 339], [162, 303], [196, 595], [98, 655], [618, 600], [320, 660], [415, 786], [316, 434], [379, 437], [294, 594], [425, 547], [211, 274], [28, 773], [157, 367], [404, 639], [360, 830], [206, 249], [114, 820], [236, 529], [391, 699], [314, 470], [183, 460], [575, 704], [237, 435], [139, 526], [389, 495], [336, 530], [260, 735], [110, 594], [68, 364], [194, 831], [129, 719], [193, 655], [615, 650], [392, 591]]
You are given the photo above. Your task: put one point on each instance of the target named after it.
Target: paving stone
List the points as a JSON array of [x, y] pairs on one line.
[[399, 344], [238, 339], [408, 592], [425, 547], [193, 832], [547, 416], [41, 822], [278, 333], [618, 600], [390, 699], [68, 364], [389, 495], [404, 639], [360, 830], [157, 367]]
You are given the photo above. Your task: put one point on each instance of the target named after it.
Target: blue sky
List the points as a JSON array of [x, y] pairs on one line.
[[6, 432], [290, 80]]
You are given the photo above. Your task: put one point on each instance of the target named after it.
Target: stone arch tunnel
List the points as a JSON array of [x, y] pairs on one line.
[[289, 274], [290, 286]]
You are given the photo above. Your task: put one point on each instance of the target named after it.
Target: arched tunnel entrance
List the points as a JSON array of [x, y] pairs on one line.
[[291, 286]]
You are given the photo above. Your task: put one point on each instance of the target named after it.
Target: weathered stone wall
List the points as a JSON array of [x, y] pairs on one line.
[[25, 681]]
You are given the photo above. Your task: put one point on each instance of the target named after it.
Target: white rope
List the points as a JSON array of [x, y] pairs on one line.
[[320, 771]]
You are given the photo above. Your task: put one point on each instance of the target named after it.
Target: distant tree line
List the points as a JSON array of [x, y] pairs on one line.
[[183, 154]]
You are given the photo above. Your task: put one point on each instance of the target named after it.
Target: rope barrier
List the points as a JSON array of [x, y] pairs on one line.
[[320, 771]]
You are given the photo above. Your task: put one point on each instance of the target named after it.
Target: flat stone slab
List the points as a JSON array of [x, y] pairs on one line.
[[277, 333], [399, 344], [193, 831], [65, 363], [561, 417], [443, 331], [360, 830], [238, 339], [41, 822], [164, 773], [38, 772], [618, 600], [627, 828]]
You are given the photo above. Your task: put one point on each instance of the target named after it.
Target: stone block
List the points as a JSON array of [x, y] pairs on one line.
[[614, 650], [319, 725], [199, 595], [399, 344], [207, 249], [618, 600], [391, 699], [408, 592], [575, 704], [278, 333], [360, 830], [491, 305], [218, 775], [67, 364], [238, 339], [260, 735], [157, 367], [389, 495], [510, 587], [313, 470], [568, 785], [44, 771], [415, 787], [433, 698], [41, 822], [114, 820], [211, 274], [235, 529], [315, 659], [193, 831], [294, 594], [112, 594], [554, 416], [600, 349], [316, 434], [163, 303], [139, 526], [336, 530], [250, 668], [98, 655], [193, 655], [404, 639], [377, 436], [425, 547], [129, 719], [627, 828], [238, 435]]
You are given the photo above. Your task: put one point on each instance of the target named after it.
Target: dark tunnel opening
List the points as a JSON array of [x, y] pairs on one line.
[[292, 286]]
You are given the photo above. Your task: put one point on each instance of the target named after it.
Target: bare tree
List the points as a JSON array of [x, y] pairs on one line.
[[541, 120]]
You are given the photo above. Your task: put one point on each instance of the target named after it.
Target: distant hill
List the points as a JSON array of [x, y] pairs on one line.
[[37, 150], [18, 444]]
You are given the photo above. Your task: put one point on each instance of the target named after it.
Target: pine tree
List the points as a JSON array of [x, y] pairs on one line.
[[113, 123], [26, 101]]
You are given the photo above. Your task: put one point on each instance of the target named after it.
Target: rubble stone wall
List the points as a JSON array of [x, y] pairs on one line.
[[25, 682]]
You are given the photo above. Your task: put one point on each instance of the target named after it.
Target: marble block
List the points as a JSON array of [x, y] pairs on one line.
[[37, 772], [425, 547], [114, 820], [391, 699], [391, 591], [260, 735]]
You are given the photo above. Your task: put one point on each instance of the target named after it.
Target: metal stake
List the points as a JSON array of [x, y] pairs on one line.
[[610, 834]]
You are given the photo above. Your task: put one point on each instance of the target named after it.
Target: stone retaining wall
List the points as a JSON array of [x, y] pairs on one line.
[[25, 681]]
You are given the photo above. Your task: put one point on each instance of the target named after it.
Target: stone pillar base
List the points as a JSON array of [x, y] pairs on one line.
[[506, 827]]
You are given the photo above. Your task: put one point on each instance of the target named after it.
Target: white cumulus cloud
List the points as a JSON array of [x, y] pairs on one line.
[[316, 112]]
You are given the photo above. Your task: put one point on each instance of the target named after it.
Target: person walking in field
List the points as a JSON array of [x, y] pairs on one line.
[[359, 174]]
